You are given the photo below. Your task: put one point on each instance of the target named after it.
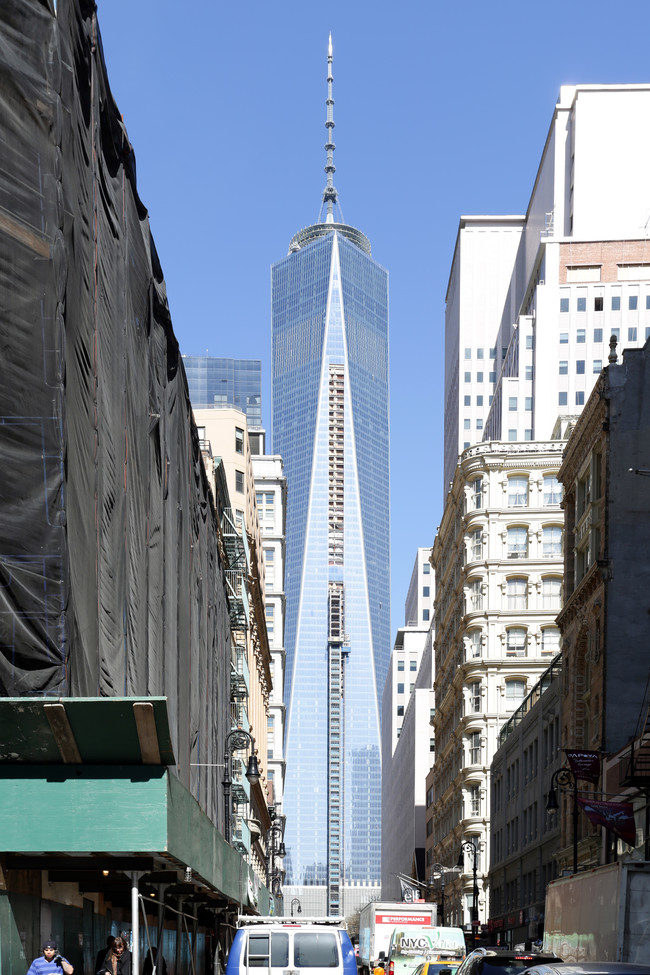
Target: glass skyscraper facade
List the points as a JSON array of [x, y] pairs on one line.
[[215, 383], [330, 425]]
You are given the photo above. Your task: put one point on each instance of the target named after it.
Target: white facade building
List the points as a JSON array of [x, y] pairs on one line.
[[271, 501], [407, 736], [498, 564], [532, 301]]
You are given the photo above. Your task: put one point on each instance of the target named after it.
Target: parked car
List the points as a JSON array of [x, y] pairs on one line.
[[437, 968], [502, 961], [590, 968]]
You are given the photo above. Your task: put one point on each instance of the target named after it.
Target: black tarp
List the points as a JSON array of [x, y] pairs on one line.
[[110, 578]]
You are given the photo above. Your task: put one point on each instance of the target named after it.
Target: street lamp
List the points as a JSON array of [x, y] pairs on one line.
[[469, 846], [272, 851], [296, 901], [236, 741], [438, 868], [564, 777]]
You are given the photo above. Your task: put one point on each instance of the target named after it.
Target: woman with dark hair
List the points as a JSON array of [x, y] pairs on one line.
[[117, 960]]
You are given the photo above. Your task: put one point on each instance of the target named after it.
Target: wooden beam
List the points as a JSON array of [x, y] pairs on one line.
[[63, 735], [145, 723]]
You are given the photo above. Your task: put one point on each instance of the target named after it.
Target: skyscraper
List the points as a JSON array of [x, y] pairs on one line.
[[216, 383], [330, 425]]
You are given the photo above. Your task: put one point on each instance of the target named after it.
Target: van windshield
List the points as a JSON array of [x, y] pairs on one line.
[[315, 950]]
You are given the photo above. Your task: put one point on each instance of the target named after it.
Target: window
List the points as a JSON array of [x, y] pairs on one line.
[[475, 696], [616, 332], [512, 404], [432, 744], [616, 303], [550, 640], [467, 424], [515, 691], [551, 542], [517, 593], [517, 492], [528, 404], [476, 540], [529, 341], [633, 302], [528, 434], [479, 424], [598, 365], [468, 377], [598, 335], [400, 710], [413, 665], [552, 490], [479, 401], [270, 620], [580, 367], [265, 501], [474, 743], [564, 305], [631, 334], [493, 352], [580, 398], [269, 569], [582, 304], [551, 593], [512, 435], [475, 644], [581, 335], [517, 543], [475, 595], [479, 353], [562, 399], [426, 590], [564, 338], [468, 353], [426, 568], [647, 301], [475, 801], [400, 665], [564, 367], [516, 642], [529, 372], [239, 441], [598, 303], [477, 493], [239, 481], [467, 401], [493, 377], [400, 688], [479, 377], [425, 615]]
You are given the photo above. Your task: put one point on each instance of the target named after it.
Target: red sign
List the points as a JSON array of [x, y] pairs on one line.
[[615, 816], [584, 765], [397, 919]]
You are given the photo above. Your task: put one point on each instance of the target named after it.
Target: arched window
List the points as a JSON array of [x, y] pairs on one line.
[[517, 491], [475, 643], [551, 593], [474, 696], [475, 595], [515, 691], [550, 640], [516, 642], [517, 593], [517, 542], [552, 490], [552, 542]]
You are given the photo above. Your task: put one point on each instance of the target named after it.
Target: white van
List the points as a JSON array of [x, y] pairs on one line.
[[443, 948], [315, 946]]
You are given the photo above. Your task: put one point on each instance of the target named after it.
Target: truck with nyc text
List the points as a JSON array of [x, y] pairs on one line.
[[378, 920], [600, 915]]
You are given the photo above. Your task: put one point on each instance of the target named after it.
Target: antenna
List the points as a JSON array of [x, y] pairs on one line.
[[330, 196]]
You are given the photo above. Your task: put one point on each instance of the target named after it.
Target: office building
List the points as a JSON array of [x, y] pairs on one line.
[[533, 299], [330, 425], [217, 383]]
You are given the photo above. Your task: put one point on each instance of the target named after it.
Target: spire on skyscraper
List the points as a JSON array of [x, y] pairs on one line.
[[330, 196]]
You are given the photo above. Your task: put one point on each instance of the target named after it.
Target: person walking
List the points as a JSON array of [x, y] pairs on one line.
[[117, 960], [50, 962]]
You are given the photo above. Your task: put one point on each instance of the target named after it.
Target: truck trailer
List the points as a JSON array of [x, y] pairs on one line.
[[377, 921], [600, 915]]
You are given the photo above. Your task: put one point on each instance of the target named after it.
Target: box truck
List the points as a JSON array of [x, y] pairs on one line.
[[377, 921], [600, 915]]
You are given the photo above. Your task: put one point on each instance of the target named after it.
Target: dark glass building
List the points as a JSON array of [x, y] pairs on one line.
[[330, 424], [215, 383]]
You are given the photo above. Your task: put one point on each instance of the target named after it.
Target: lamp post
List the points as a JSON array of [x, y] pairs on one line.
[[469, 846], [272, 850], [562, 778], [237, 740], [296, 901], [438, 868]]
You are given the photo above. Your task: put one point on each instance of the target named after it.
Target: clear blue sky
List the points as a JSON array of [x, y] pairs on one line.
[[441, 109]]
